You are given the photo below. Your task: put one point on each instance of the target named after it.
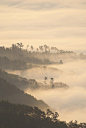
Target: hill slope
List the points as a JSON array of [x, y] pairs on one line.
[[14, 95], [24, 83]]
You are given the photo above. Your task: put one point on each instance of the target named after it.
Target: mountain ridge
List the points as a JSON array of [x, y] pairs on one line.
[[14, 95]]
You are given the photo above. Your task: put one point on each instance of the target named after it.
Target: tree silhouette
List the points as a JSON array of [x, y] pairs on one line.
[[45, 80], [31, 47], [41, 48], [27, 47], [20, 45], [37, 49], [51, 82], [53, 116]]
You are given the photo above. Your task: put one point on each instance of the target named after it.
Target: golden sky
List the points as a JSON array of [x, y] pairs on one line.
[[38, 22]]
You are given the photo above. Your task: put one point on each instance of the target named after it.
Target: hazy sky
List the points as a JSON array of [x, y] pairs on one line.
[[38, 22]]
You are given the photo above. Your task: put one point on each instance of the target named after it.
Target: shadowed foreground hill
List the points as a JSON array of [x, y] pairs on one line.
[[14, 95], [22, 116]]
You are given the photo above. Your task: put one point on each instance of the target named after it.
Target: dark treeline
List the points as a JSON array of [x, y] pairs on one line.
[[17, 50], [6, 63], [23, 116], [16, 58], [42, 55]]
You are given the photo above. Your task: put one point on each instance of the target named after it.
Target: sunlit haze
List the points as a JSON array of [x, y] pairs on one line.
[[38, 22], [58, 25]]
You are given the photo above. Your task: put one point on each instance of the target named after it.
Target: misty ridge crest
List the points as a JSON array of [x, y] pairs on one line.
[[16, 58], [42, 55], [24, 83], [31, 60]]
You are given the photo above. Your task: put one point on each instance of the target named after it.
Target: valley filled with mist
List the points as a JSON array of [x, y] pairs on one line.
[[54, 76], [67, 101], [42, 64]]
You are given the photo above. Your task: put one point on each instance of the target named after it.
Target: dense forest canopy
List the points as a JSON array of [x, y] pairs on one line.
[[17, 115]]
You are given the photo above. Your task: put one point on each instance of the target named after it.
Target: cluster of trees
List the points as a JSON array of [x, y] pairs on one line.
[[6, 63], [30, 55], [44, 48], [47, 49], [16, 53], [42, 55], [24, 83], [23, 116], [6, 107], [54, 84]]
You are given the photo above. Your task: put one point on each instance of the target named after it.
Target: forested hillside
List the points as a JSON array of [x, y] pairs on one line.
[[24, 83], [18, 58], [23, 116], [45, 72], [14, 95]]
